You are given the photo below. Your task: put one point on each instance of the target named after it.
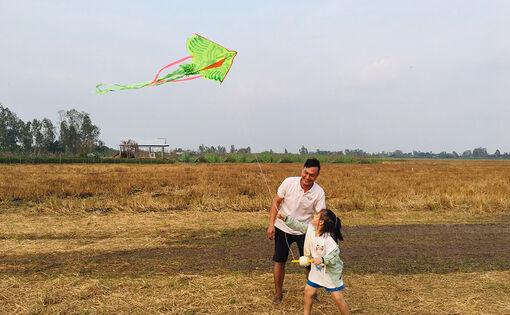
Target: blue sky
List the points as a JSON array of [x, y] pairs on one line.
[[374, 75]]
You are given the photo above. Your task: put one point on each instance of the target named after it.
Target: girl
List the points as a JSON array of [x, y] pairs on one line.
[[321, 245]]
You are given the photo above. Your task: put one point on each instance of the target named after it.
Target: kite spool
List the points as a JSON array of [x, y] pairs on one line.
[[303, 261]]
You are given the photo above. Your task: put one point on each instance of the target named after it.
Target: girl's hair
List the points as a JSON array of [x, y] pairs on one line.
[[332, 224]]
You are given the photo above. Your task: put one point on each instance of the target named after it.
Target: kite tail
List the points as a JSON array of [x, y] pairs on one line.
[[176, 76], [168, 66], [119, 87]]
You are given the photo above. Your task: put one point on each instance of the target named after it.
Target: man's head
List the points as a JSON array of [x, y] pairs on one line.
[[310, 172]]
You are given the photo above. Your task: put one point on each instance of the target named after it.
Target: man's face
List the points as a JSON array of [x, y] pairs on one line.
[[309, 175]]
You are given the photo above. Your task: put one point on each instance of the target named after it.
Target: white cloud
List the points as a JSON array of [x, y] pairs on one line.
[[380, 71]]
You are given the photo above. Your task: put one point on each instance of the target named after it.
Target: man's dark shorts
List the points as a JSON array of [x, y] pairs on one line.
[[282, 242]]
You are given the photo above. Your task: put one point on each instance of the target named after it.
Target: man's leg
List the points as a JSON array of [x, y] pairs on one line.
[[279, 275], [281, 253]]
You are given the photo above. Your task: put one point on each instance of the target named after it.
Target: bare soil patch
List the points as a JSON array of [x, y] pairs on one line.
[[391, 249]]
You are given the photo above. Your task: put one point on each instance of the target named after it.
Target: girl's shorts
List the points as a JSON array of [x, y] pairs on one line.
[[315, 285]]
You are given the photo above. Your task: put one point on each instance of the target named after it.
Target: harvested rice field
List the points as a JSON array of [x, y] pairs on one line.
[[421, 237]]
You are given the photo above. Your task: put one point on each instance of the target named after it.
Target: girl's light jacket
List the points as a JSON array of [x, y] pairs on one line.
[[334, 265]]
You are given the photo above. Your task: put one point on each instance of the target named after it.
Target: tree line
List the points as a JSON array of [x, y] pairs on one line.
[[202, 149], [74, 134], [476, 153]]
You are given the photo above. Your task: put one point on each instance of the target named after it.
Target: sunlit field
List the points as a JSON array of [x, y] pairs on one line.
[[421, 237]]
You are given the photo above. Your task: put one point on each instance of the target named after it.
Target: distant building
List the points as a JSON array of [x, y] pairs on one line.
[[131, 149]]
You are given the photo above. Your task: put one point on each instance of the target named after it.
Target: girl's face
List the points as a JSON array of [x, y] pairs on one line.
[[317, 221]]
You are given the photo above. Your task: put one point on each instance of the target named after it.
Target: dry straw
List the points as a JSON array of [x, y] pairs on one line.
[[457, 186], [189, 239]]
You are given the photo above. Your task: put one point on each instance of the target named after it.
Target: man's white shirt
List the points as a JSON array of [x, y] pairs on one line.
[[299, 204]]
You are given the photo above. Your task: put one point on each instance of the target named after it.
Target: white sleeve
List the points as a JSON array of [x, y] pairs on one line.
[[282, 190], [320, 203]]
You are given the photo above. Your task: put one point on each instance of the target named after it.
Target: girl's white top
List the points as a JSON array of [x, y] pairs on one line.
[[321, 246], [329, 274]]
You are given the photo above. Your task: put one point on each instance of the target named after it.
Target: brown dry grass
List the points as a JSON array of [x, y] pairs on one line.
[[189, 239], [459, 293], [137, 263], [475, 187]]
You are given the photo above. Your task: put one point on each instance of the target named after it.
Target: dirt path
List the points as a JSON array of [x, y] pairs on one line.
[[399, 249]]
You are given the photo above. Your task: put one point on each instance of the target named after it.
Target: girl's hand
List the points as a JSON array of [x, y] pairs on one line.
[[281, 216], [317, 260]]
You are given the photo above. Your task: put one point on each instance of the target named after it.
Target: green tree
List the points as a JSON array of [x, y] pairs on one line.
[[49, 136], [221, 149], [77, 133], [9, 129], [89, 135], [397, 154], [303, 150], [244, 150], [25, 135], [466, 154], [480, 152], [37, 136]]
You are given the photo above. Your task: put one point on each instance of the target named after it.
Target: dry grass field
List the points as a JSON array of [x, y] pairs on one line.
[[421, 237]]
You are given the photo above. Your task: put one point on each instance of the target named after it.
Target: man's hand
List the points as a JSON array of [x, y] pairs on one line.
[[270, 232], [281, 216], [272, 216]]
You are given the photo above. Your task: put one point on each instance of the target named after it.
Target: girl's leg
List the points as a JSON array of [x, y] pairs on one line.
[[338, 297], [309, 293]]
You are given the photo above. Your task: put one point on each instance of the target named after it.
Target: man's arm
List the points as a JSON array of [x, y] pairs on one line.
[[321, 203], [272, 216]]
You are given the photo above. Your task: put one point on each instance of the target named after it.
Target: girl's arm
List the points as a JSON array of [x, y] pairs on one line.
[[330, 259], [293, 223], [333, 257]]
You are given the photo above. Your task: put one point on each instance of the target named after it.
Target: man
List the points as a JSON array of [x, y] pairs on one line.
[[298, 197]]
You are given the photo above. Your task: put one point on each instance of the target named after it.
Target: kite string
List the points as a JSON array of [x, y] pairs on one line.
[[263, 175], [168, 66], [248, 135], [271, 195]]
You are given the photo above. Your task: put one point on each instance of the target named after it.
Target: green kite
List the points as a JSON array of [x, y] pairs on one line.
[[210, 61]]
